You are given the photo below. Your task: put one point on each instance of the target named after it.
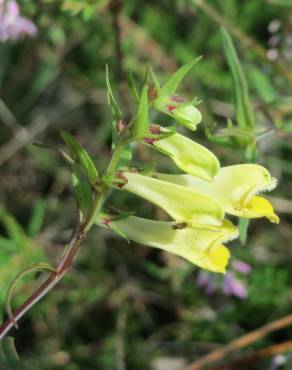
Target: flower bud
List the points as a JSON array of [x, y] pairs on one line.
[[189, 156], [184, 113]]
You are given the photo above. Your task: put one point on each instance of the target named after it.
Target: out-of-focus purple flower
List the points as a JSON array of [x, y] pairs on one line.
[[229, 285], [232, 286], [206, 281], [12, 25], [242, 267], [277, 362]]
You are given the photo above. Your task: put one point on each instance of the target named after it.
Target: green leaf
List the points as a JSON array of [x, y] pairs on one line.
[[132, 87], [171, 85], [116, 115], [9, 359], [82, 191], [244, 113], [81, 156], [154, 79], [42, 266], [225, 141], [243, 225], [140, 122]]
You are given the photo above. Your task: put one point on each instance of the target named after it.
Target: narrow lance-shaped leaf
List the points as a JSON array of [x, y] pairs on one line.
[[140, 123], [154, 79], [81, 156], [116, 115], [82, 191], [132, 87], [244, 114], [171, 85]]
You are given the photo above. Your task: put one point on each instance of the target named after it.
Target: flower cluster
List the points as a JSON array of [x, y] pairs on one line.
[[197, 200], [12, 25]]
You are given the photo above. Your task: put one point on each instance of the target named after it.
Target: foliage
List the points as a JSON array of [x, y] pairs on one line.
[[123, 304]]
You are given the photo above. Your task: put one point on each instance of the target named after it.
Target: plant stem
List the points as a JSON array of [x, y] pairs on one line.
[[71, 250]]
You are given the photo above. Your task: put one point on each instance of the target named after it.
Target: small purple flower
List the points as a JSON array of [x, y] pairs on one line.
[[12, 25], [277, 362], [232, 286], [242, 267]]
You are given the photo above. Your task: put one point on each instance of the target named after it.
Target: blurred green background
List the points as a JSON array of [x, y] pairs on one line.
[[131, 307]]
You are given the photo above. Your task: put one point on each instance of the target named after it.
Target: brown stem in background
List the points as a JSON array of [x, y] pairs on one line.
[[250, 361], [239, 343]]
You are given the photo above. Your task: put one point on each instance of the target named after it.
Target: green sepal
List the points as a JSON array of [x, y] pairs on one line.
[[119, 232], [82, 191], [226, 141], [148, 169], [140, 122], [154, 79], [120, 215], [243, 137], [42, 266], [132, 87], [243, 225], [171, 130], [116, 114], [173, 82], [81, 156], [244, 113]]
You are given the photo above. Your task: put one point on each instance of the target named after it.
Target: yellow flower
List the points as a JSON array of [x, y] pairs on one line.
[[181, 203], [235, 188], [203, 247], [189, 156]]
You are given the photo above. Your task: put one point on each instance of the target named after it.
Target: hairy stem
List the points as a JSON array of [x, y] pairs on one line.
[[71, 250]]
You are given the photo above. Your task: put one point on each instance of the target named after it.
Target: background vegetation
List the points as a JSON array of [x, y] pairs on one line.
[[131, 307]]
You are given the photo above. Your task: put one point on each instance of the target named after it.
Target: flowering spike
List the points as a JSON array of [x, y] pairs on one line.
[[235, 188], [201, 246], [189, 156], [181, 203]]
